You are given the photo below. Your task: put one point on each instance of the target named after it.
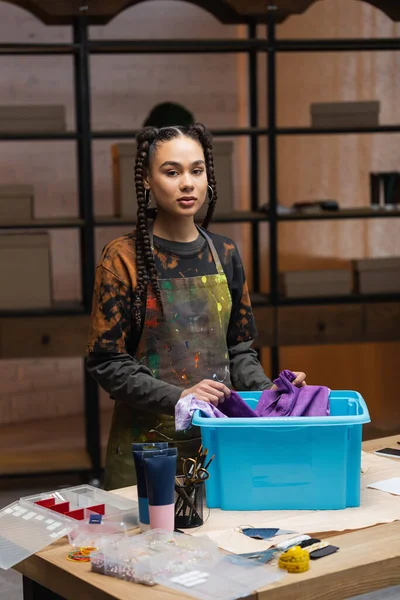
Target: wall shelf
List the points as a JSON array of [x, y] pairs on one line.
[[343, 213], [231, 132], [234, 217], [55, 223], [37, 137], [337, 130], [58, 309]]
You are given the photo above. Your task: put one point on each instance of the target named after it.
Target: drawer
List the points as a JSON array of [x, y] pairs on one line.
[[382, 322], [43, 337], [308, 325]]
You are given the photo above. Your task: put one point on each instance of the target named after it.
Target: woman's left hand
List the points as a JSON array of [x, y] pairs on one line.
[[300, 380]]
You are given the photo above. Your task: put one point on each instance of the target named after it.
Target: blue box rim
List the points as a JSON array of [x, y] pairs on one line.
[[267, 422]]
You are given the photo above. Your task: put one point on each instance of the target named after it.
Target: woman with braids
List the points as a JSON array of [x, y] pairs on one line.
[[171, 310]]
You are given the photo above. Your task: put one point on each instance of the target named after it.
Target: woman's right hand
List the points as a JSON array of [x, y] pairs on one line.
[[209, 391]]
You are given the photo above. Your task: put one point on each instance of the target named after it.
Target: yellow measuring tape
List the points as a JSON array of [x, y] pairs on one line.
[[295, 560]]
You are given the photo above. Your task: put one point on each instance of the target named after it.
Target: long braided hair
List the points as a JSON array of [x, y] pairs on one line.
[[148, 140]]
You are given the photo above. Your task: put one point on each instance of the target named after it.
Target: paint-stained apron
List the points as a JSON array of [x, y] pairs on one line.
[[183, 346]]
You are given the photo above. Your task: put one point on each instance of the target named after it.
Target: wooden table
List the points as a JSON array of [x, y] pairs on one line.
[[368, 560]]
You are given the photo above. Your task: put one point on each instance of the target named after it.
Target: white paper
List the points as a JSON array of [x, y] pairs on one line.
[[392, 486]]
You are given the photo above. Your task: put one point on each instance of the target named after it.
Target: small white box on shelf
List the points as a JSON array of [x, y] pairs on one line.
[[33, 118], [345, 114], [377, 275], [16, 203], [25, 271], [301, 284], [123, 164]]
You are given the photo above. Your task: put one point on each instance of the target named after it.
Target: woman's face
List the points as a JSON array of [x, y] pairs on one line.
[[177, 177]]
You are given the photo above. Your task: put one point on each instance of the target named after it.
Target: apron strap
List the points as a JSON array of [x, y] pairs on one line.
[[214, 252], [202, 232]]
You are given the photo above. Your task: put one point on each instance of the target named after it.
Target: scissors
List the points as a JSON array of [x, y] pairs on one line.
[[193, 471]]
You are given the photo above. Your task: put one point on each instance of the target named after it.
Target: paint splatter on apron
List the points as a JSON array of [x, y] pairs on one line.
[[182, 347]]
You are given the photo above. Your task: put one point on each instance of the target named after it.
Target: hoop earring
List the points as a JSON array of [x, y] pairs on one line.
[[210, 197], [147, 196]]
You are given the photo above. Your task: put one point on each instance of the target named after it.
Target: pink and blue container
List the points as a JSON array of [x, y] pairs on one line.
[[286, 463]]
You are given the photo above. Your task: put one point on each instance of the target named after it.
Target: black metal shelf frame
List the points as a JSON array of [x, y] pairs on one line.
[[62, 309], [87, 237], [252, 132], [81, 50], [44, 224]]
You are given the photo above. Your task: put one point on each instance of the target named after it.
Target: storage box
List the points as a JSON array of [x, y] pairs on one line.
[[377, 275], [25, 271], [16, 203], [345, 114], [123, 165], [300, 284], [33, 119], [33, 522], [286, 463]]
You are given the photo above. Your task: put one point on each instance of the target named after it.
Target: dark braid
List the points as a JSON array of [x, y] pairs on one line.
[[145, 265], [147, 141]]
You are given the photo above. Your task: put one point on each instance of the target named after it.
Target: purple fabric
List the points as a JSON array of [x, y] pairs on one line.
[[186, 407], [291, 401], [286, 401]]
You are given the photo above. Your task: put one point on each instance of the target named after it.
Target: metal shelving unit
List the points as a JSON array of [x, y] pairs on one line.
[[80, 51]]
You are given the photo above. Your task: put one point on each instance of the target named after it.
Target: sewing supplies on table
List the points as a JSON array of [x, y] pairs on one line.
[[193, 565], [315, 547], [264, 533], [189, 490], [80, 555], [295, 560]]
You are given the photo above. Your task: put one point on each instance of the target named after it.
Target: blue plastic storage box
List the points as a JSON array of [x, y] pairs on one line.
[[286, 463]]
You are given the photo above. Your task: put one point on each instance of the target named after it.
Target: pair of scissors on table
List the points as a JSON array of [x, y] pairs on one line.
[[193, 471]]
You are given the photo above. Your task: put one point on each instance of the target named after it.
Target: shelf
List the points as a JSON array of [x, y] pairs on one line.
[[37, 137], [257, 217], [260, 300], [338, 45], [337, 130], [199, 46], [344, 213], [58, 309], [234, 217], [348, 299], [176, 46], [227, 132], [322, 324], [37, 49], [48, 445], [58, 223]]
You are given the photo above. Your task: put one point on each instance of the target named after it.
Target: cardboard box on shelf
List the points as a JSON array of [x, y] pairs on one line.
[[377, 275], [301, 284], [16, 203], [123, 164], [345, 114], [25, 271], [33, 119]]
